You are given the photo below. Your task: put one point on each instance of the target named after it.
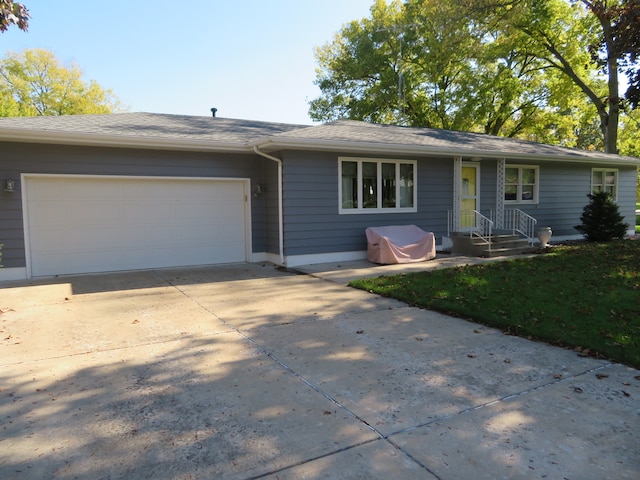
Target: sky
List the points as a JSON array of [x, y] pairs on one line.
[[250, 59]]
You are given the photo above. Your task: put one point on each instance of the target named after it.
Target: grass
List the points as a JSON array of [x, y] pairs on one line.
[[584, 296]]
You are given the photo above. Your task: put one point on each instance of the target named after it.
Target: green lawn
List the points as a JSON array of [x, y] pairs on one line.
[[583, 296]]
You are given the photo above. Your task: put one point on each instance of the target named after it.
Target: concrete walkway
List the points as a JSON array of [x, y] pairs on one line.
[[249, 371], [344, 272]]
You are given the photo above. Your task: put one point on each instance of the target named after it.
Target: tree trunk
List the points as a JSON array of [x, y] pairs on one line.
[[611, 128]]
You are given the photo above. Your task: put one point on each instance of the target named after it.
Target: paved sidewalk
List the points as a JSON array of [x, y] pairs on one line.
[[344, 272], [250, 371]]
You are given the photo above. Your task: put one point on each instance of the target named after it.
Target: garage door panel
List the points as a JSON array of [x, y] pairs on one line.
[[94, 213], [52, 239], [79, 225], [47, 213]]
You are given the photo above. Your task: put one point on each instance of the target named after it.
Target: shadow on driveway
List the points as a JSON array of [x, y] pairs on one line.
[[248, 371]]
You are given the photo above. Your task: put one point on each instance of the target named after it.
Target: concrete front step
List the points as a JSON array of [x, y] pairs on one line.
[[501, 245]]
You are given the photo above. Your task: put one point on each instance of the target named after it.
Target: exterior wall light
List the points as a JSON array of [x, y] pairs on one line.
[[257, 191], [9, 185]]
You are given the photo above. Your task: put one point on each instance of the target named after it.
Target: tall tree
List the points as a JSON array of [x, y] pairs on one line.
[[409, 63], [35, 83], [563, 33], [435, 63], [13, 13], [626, 34], [367, 88], [540, 69]]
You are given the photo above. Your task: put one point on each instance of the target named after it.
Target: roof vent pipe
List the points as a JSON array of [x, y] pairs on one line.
[[213, 111]]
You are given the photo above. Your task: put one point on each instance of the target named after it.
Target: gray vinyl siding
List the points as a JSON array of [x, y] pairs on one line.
[[562, 195], [564, 190], [627, 179], [18, 158], [488, 188], [313, 224], [268, 218]]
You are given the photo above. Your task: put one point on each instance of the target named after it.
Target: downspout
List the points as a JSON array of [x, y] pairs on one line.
[[280, 213]]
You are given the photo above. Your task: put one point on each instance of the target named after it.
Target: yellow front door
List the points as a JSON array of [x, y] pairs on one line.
[[469, 195]]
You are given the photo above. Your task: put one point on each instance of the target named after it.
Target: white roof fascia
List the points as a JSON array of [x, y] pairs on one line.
[[402, 149], [97, 140]]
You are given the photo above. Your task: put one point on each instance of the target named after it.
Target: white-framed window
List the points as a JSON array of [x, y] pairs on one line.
[[605, 180], [374, 185], [521, 184]]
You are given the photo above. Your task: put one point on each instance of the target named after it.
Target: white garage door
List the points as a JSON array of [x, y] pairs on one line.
[[99, 224]]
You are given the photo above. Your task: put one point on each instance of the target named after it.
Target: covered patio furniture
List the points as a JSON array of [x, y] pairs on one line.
[[399, 244]]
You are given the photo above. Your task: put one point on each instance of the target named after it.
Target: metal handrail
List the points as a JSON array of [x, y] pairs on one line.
[[518, 221], [471, 222], [483, 227]]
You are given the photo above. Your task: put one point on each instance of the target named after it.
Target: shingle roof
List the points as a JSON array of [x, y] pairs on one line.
[[153, 130], [149, 126], [432, 140]]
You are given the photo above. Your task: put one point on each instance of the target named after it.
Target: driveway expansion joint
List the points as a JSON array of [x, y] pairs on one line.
[[498, 400], [85, 415], [315, 388]]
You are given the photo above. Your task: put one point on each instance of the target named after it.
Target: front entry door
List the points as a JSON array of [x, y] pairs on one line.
[[469, 195]]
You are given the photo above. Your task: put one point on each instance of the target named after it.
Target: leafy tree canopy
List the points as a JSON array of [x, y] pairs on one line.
[[627, 35], [35, 83], [533, 69], [13, 13]]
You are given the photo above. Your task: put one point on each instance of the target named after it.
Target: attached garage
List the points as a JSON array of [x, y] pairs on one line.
[[84, 224]]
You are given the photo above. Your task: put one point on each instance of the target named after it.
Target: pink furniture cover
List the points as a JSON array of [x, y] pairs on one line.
[[399, 244]]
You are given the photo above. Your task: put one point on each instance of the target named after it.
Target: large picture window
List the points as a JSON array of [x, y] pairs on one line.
[[605, 180], [376, 185], [521, 184]]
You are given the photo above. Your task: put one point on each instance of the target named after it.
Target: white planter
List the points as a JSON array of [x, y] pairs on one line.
[[544, 235]]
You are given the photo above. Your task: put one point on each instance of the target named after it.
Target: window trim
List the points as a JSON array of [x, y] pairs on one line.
[[536, 188], [615, 185], [379, 209]]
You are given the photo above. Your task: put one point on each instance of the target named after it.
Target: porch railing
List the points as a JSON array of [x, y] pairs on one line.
[[518, 221], [470, 222]]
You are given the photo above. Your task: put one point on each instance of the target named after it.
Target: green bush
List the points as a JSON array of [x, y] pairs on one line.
[[601, 220]]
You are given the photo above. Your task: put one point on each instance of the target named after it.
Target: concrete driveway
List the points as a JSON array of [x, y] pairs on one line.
[[247, 371]]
